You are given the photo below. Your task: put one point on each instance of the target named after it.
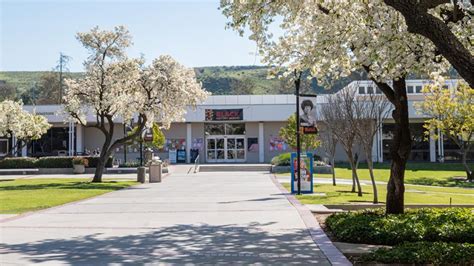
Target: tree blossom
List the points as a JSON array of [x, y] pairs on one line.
[[24, 126]]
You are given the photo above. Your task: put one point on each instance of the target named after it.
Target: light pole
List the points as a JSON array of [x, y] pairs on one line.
[[298, 144]]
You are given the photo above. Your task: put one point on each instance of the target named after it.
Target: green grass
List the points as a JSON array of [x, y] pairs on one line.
[[430, 174], [19, 196], [341, 194]]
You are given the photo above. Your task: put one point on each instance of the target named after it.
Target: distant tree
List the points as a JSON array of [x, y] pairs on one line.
[[241, 86], [370, 110], [339, 115], [24, 126], [451, 112], [288, 134], [48, 88], [7, 91]]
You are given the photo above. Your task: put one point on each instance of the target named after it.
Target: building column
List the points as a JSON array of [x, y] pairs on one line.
[[24, 150], [71, 138], [188, 142], [440, 146], [432, 148], [79, 139], [380, 144], [14, 143], [261, 143]]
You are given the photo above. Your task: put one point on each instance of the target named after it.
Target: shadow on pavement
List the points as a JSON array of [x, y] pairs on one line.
[[178, 244]]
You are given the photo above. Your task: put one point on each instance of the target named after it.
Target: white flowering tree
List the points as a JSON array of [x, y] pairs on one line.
[[448, 24], [116, 88], [24, 126], [332, 39]]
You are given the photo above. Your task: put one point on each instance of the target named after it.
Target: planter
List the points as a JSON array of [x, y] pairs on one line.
[[79, 169]]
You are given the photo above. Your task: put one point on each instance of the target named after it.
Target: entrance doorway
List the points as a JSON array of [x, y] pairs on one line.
[[225, 149]]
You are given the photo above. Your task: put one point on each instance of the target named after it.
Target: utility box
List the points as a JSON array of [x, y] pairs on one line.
[[154, 171]]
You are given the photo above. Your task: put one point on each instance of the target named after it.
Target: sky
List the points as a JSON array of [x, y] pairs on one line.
[[34, 33]]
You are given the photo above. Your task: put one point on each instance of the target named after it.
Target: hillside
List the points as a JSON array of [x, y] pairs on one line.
[[220, 80]]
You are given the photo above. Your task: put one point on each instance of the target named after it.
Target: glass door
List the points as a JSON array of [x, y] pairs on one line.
[[225, 149], [215, 149], [235, 149]]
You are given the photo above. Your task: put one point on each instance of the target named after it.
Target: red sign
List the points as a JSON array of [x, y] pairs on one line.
[[224, 114]]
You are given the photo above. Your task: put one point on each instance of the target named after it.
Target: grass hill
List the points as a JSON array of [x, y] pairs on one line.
[[220, 80]]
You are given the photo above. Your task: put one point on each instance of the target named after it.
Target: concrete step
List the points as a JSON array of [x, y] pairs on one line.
[[235, 167]]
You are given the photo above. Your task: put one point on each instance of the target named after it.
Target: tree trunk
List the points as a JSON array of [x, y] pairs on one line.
[[469, 173], [99, 170], [333, 171], [355, 178], [104, 156], [372, 178], [400, 149]]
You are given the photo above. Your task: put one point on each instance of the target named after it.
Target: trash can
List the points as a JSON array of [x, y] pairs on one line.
[[141, 174], [154, 171]]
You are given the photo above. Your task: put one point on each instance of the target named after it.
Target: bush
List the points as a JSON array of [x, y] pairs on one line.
[[17, 163], [283, 159], [437, 253], [374, 227], [47, 162], [80, 161]]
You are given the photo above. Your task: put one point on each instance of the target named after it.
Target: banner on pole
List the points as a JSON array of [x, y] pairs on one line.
[[308, 116], [306, 171]]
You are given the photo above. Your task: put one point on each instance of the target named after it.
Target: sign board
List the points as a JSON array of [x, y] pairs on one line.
[[308, 115], [224, 114], [306, 171], [181, 156], [172, 155]]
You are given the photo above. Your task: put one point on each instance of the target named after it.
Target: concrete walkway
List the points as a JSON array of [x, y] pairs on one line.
[[212, 218]]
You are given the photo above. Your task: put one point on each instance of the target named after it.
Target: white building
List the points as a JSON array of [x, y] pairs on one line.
[[233, 128]]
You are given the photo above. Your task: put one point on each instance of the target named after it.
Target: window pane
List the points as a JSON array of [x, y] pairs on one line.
[[211, 144], [220, 144], [361, 90], [240, 143], [231, 144], [378, 91], [240, 154], [220, 154], [410, 89], [231, 154], [211, 155], [3, 146], [370, 90], [214, 129], [418, 89], [235, 129]]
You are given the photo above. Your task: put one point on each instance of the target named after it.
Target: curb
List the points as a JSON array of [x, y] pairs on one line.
[[333, 254]]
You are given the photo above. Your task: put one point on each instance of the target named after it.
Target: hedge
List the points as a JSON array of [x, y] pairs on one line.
[[46, 162], [435, 253], [429, 224], [285, 158]]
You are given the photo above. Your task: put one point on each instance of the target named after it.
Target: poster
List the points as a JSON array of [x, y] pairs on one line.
[[197, 143], [177, 144], [308, 115], [252, 144], [306, 171], [278, 144], [172, 153]]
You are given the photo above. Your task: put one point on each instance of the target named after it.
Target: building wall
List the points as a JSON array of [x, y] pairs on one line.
[[251, 131], [197, 133]]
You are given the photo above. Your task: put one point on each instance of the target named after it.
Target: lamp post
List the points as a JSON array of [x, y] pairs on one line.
[[298, 143]]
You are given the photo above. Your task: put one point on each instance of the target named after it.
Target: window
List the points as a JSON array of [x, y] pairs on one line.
[[370, 90], [361, 90], [3, 146], [409, 89], [418, 89], [378, 91], [224, 128]]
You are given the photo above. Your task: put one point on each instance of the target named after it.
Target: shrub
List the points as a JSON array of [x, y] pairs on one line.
[[437, 253], [47, 162], [80, 161], [17, 163], [54, 162], [374, 227], [283, 159]]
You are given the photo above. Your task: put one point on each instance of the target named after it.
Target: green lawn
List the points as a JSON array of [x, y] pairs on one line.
[[19, 196], [431, 174], [341, 194]]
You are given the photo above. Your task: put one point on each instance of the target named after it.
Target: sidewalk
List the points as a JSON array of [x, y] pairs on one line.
[[212, 218]]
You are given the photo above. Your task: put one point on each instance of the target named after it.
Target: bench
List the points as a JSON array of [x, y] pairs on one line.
[[19, 171]]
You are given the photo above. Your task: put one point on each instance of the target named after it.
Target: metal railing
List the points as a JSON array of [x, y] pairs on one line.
[[196, 163]]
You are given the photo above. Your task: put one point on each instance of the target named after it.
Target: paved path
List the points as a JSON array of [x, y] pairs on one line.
[[214, 218]]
